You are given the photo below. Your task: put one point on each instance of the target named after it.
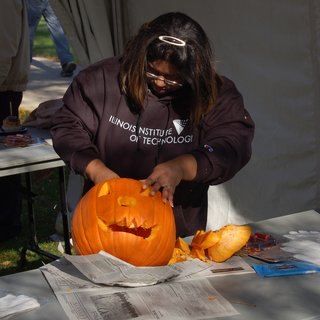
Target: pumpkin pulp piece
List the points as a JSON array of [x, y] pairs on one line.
[[181, 251], [233, 238], [205, 240], [183, 245], [198, 253], [178, 256]]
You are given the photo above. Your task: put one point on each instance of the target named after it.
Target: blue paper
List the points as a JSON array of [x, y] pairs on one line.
[[285, 269]]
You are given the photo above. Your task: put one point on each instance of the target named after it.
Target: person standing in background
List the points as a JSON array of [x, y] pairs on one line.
[[39, 8], [14, 70]]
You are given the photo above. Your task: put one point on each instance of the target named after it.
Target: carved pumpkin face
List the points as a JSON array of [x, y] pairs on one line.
[[117, 216]]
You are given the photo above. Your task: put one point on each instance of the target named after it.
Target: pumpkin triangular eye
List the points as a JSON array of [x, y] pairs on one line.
[[104, 190], [145, 192]]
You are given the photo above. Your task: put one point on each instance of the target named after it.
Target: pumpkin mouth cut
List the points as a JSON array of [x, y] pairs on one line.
[[133, 228], [137, 231]]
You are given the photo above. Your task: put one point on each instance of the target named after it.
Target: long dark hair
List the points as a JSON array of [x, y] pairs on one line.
[[194, 60]]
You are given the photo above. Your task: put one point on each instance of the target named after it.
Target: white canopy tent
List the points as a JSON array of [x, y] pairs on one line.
[[271, 49]]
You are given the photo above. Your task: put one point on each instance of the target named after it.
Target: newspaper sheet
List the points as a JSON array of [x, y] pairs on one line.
[[104, 268], [189, 299], [189, 296]]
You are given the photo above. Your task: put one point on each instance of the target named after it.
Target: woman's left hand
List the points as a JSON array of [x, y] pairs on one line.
[[167, 175]]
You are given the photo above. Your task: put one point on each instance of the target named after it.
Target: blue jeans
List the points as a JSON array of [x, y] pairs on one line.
[[38, 8]]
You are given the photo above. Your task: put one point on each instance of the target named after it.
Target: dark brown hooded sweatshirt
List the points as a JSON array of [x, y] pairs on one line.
[[97, 122]]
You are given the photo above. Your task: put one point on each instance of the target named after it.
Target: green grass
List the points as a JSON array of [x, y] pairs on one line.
[[46, 207], [43, 44]]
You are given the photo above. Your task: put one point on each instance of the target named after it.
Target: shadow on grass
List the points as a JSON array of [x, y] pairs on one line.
[[10, 256], [46, 207]]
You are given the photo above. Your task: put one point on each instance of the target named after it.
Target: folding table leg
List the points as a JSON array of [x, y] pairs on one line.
[[64, 211], [33, 241]]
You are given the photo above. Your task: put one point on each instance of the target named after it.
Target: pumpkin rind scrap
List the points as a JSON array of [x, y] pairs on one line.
[[201, 241], [205, 239], [117, 216], [181, 251], [232, 239]]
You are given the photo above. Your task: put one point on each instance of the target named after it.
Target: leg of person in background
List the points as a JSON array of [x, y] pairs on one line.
[[35, 10], [10, 187], [9, 104], [60, 41]]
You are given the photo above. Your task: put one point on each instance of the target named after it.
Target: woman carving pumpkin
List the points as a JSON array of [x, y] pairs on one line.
[[158, 113]]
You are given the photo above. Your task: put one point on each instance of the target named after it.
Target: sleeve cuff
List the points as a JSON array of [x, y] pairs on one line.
[[81, 159], [204, 167], [206, 171]]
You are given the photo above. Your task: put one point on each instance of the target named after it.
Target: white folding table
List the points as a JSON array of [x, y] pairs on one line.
[[277, 298]]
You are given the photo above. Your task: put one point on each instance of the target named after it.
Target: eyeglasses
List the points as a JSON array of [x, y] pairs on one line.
[[170, 83]]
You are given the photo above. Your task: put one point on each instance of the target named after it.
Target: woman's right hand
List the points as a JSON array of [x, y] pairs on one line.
[[97, 172], [167, 175]]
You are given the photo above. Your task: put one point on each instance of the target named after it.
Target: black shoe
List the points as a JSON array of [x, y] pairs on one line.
[[67, 69]]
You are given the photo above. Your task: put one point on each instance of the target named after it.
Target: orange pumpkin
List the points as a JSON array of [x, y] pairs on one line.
[[117, 216]]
